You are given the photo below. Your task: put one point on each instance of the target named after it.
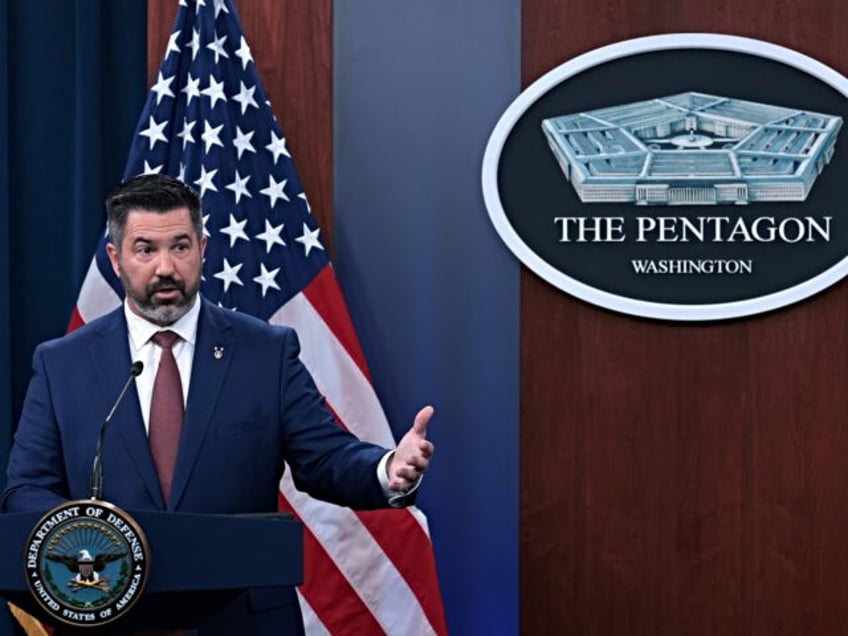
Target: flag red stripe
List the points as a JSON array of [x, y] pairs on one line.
[[331, 596], [76, 320]]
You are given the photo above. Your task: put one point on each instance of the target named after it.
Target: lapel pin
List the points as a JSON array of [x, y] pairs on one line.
[[218, 352]]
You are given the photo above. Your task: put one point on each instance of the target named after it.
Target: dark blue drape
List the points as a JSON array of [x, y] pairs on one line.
[[72, 85]]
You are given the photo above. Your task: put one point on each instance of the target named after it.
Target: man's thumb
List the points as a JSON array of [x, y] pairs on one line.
[[422, 419]]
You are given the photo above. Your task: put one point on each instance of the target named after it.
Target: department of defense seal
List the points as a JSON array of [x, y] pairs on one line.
[[87, 563]]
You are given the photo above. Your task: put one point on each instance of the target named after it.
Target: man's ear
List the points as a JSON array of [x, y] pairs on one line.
[[112, 253]]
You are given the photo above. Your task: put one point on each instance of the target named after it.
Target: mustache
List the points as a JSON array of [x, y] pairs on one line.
[[164, 283]]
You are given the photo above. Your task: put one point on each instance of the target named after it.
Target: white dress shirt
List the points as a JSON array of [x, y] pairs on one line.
[[142, 348]]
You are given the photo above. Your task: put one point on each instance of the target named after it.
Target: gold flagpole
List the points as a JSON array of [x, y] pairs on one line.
[[31, 625]]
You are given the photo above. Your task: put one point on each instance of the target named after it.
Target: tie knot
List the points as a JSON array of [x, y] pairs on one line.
[[165, 339]]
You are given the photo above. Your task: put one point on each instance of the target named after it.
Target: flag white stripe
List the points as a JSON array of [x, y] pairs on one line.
[[311, 623], [96, 296], [362, 562]]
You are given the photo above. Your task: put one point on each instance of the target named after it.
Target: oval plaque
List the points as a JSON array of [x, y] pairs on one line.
[[681, 176]]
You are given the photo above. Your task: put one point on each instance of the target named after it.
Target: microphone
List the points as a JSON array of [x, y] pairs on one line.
[[96, 490]]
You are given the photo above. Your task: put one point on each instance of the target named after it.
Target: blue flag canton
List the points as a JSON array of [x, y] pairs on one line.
[[208, 121]]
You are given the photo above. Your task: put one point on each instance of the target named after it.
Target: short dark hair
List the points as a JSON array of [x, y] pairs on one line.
[[150, 193]]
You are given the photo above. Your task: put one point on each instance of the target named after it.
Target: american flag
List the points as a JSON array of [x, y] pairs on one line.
[[208, 121]]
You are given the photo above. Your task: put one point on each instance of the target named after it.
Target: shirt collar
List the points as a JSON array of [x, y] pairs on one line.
[[141, 330]]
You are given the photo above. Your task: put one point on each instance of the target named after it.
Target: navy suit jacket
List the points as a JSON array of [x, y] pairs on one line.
[[247, 411]]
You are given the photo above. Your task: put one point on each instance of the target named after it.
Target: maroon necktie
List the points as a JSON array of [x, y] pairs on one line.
[[166, 412]]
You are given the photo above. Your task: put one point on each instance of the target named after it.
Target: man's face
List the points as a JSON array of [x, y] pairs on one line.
[[159, 264]]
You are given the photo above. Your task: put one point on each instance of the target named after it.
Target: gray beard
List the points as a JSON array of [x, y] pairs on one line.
[[163, 314]]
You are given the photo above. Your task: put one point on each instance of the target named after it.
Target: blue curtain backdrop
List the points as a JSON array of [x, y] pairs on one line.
[[73, 79]]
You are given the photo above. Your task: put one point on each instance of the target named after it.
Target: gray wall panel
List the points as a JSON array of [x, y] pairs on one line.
[[433, 293]]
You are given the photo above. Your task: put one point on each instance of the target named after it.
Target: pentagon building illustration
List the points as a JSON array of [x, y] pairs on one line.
[[692, 149]]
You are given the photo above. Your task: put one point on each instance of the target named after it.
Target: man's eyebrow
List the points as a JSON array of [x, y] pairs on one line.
[[179, 237]]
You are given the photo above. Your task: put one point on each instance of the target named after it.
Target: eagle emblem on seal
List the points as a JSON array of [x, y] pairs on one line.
[[86, 568]]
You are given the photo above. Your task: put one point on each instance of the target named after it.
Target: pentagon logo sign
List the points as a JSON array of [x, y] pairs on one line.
[[681, 177], [693, 149], [87, 563]]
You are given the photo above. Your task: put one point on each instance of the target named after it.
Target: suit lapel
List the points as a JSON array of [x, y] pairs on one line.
[[112, 361], [212, 355]]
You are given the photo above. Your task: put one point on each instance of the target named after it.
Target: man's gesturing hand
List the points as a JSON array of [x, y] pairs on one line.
[[412, 455]]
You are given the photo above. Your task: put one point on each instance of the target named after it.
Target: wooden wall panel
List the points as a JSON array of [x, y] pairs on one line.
[[682, 478], [292, 44]]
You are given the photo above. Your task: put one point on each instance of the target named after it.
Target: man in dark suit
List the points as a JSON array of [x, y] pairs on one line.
[[238, 402]]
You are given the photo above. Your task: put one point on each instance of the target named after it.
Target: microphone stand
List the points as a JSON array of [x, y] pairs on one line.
[[96, 488]]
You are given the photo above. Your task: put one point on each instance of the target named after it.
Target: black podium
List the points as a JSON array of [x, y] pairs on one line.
[[198, 563]]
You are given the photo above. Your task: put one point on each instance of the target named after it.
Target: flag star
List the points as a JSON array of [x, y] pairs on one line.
[[245, 97], [194, 45], [183, 3], [266, 279], [214, 91], [148, 169], [211, 136], [217, 47], [172, 44], [162, 87], [278, 147], [275, 190], [181, 176], [271, 236], [230, 275], [243, 53], [200, 3], [206, 180], [185, 133], [242, 141], [205, 222], [235, 230], [309, 239], [154, 133], [302, 195], [191, 89], [220, 6], [239, 187]]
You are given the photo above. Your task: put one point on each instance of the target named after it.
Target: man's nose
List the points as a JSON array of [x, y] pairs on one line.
[[164, 264]]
